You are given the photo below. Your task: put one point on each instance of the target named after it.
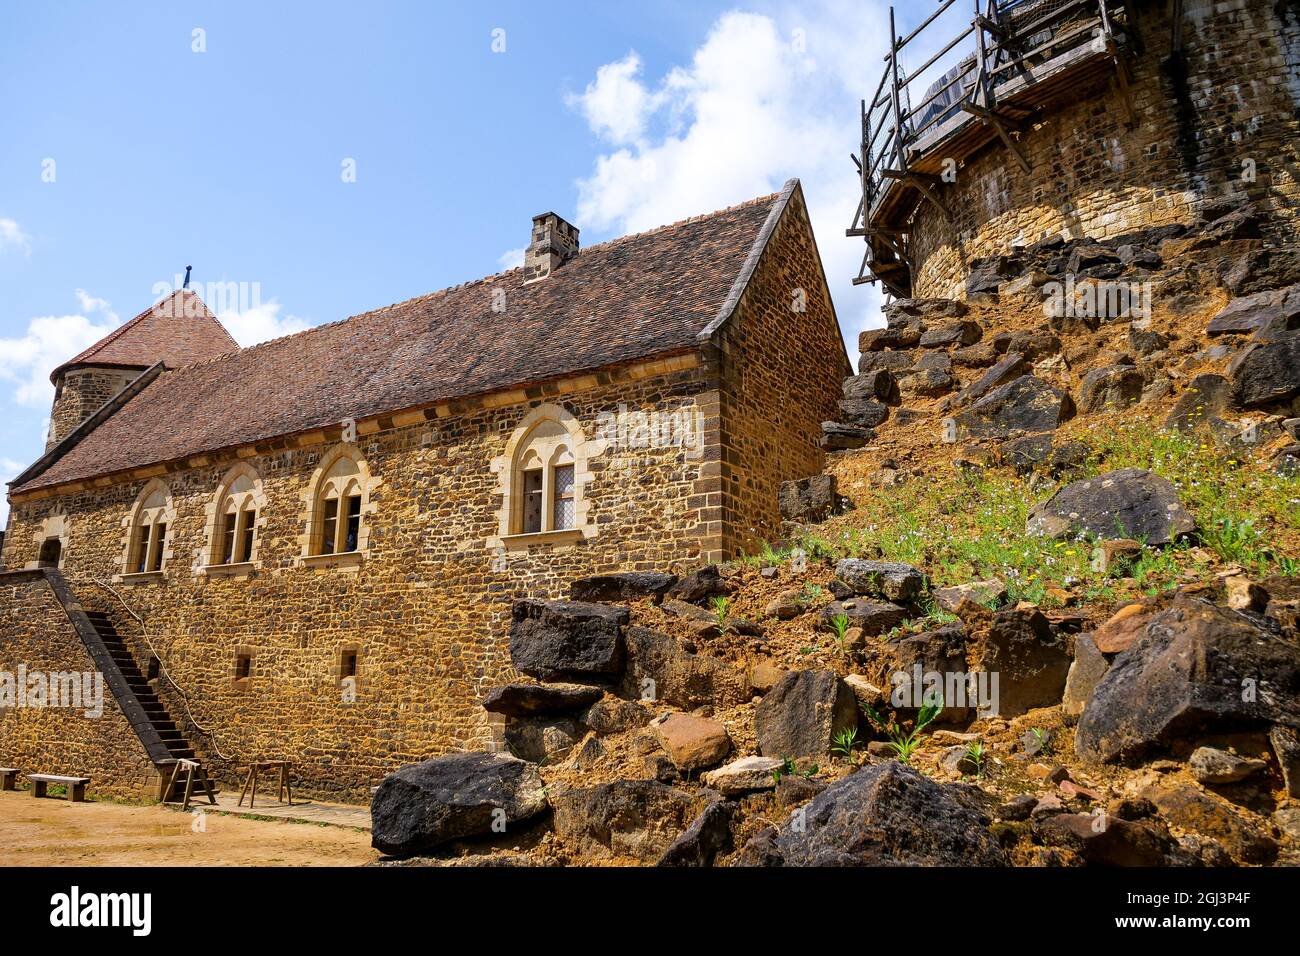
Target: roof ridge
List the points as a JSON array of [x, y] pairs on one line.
[[617, 240]]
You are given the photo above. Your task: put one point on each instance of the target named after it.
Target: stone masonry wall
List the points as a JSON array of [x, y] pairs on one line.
[[1237, 102], [36, 633], [427, 609], [782, 360], [80, 395]]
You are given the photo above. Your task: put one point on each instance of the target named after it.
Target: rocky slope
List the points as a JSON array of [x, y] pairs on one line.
[[1067, 507]]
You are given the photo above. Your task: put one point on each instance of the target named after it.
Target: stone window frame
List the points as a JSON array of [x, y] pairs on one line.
[[532, 440], [53, 527], [318, 486], [160, 551], [253, 497]]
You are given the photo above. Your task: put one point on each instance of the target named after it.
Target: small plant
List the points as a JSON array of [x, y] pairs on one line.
[[1042, 739], [812, 593], [846, 741], [975, 756], [789, 768], [840, 625], [721, 609], [905, 743]]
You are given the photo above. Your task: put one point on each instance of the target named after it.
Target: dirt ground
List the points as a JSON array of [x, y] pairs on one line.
[[54, 832]]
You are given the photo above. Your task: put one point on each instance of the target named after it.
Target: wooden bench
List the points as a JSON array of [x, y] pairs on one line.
[[8, 778], [76, 785]]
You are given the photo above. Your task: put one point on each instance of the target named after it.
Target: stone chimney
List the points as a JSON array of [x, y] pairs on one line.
[[553, 243]]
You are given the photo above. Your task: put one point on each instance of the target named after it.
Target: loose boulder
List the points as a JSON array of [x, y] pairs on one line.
[[691, 742], [557, 639], [1086, 671], [808, 500], [802, 713], [891, 580], [420, 807], [707, 838], [1025, 404], [530, 700], [888, 815], [1030, 659], [627, 818], [743, 775], [1131, 503], [1207, 397], [1196, 667], [623, 586], [1112, 388], [1216, 767], [659, 668], [1267, 372]]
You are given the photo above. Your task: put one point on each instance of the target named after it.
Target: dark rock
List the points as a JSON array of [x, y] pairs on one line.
[[761, 850], [796, 790], [626, 818], [898, 337], [929, 310], [1139, 257], [988, 273], [1240, 223], [660, 669], [1023, 454], [1262, 269], [1090, 256], [1267, 372], [660, 767], [1129, 503], [621, 586], [802, 713], [870, 362], [1033, 346], [448, 798], [707, 838], [887, 579], [530, 700], [1026, 404], [975, 356], [1109, 389], [837, 437], [808, 500], [1285, 742], [1277, 310], [879, 384], [1018, 807], [889, 815], [1011, 367], [1105, 841], [1206, 397], [1189, 809], [952, 334], [863, 412], [1030, 659], [1196, 667], [707, 582], [556, 639], [941, 651], [1068, 459], [1147, 341], [874, 617]]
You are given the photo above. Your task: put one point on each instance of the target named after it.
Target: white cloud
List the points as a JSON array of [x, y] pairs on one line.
[[261, 323], [50, 340], [765, 97], [511, 258], [13, 237], [9, 470]]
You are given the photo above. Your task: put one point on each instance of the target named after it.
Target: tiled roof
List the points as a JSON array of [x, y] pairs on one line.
[[626, 300], [177, 330]]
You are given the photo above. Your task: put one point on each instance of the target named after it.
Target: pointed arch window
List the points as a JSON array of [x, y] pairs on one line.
[[147, 543], [338, 509], [544, 479], [235, 530]]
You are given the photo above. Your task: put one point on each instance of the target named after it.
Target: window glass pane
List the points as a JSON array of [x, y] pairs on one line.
[[354, 523], [329, 526], [228, 538], [246, 544], [532, 501], [142, 550], [159, 542], [564, 501]]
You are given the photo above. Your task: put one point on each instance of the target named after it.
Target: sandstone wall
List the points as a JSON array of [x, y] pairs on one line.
[[1238, 101], [35, 632], [782, 360]]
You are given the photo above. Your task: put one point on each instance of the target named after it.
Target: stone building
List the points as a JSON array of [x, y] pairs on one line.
[[308, 549]]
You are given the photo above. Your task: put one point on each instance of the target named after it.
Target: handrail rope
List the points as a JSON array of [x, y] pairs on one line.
[[162, 668]]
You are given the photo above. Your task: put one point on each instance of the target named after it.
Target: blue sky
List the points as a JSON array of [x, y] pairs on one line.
[[126, 153]]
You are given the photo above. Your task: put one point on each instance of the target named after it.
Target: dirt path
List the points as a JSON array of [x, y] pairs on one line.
[[54, 832]]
